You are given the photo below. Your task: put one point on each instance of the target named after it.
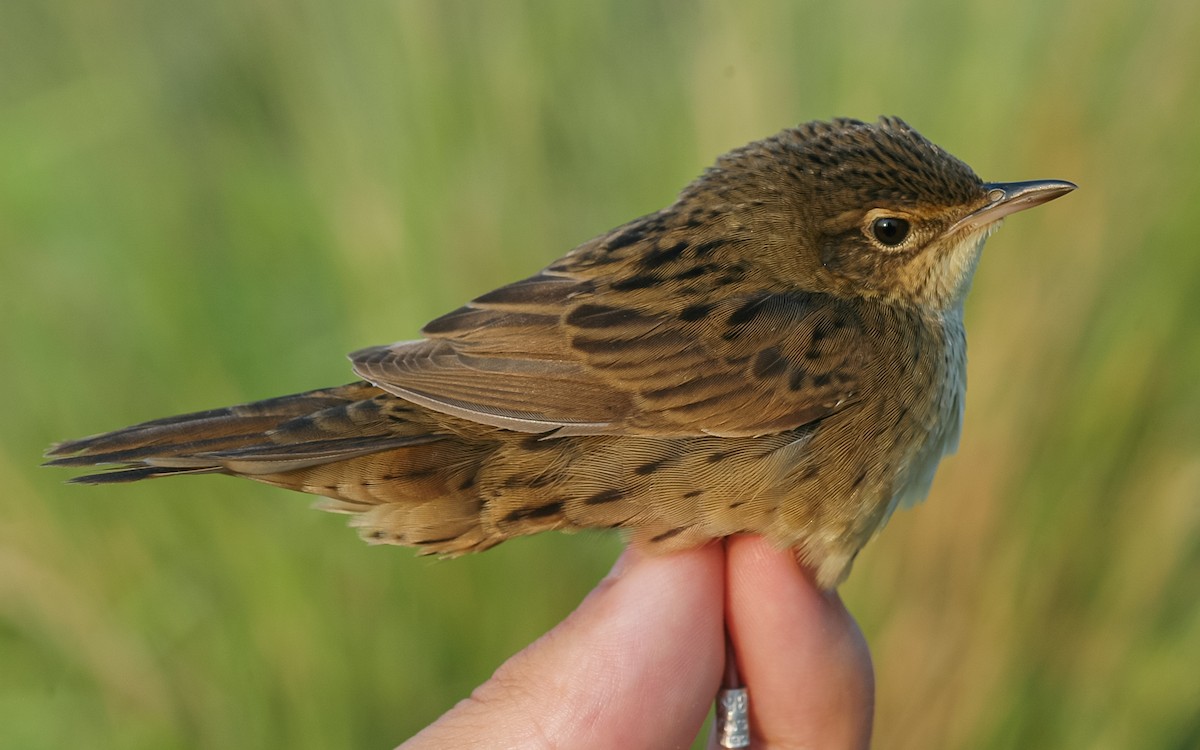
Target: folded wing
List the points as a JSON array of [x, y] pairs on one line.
[[551, 353]]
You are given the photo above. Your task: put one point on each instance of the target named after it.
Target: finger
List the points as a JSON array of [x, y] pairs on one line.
[[799, 652], [636, 665]]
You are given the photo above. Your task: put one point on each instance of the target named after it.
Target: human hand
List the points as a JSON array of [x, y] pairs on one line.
[[638, 663]]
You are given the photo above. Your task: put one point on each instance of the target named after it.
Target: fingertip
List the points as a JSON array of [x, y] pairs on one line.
[[799, 651]]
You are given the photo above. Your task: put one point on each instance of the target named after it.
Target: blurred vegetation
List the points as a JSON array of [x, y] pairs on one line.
[[207, 201]]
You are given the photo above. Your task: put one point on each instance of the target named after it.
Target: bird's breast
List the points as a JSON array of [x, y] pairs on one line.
[[937, 416]]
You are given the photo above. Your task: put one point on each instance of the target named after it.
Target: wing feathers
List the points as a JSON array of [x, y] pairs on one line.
[[543, 354]]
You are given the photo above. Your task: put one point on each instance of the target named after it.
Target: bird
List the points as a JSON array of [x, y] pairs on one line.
[[780, 352]]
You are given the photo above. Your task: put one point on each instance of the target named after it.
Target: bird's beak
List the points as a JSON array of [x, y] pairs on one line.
[[1006, 198]]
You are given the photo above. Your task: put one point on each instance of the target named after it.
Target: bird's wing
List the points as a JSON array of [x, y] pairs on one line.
[[550, 354]]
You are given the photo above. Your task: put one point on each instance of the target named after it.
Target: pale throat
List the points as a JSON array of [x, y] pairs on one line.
[[955, 269]]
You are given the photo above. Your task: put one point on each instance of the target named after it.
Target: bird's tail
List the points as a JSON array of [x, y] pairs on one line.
[[274, 436], [406, 474]]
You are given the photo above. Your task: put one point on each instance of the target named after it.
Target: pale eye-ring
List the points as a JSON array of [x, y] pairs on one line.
[[890, 230]]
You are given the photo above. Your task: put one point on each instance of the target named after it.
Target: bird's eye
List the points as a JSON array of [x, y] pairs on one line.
[[890, 230]]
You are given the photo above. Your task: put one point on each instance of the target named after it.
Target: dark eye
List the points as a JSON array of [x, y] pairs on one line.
[[890, 230]]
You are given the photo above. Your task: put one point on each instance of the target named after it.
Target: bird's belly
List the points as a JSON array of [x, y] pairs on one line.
[[879, 455]]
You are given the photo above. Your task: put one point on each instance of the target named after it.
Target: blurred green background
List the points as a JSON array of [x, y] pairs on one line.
[[204, 202]]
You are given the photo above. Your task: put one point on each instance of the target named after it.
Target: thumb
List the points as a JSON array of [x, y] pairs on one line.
[[635, 665]]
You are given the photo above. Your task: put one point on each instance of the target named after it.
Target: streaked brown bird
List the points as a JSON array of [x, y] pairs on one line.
[[780, 352]]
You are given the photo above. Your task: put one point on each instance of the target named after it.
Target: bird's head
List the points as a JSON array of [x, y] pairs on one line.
[[865, 209]]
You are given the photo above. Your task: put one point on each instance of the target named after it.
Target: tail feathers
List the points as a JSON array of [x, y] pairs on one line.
[[265, 437], [206, 430], [119, 476], [276, 459]]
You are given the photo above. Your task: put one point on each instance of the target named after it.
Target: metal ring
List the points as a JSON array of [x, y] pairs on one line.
[[733, 718]]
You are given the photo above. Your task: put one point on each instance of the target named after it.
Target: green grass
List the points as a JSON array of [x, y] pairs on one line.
[[207, 202]]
